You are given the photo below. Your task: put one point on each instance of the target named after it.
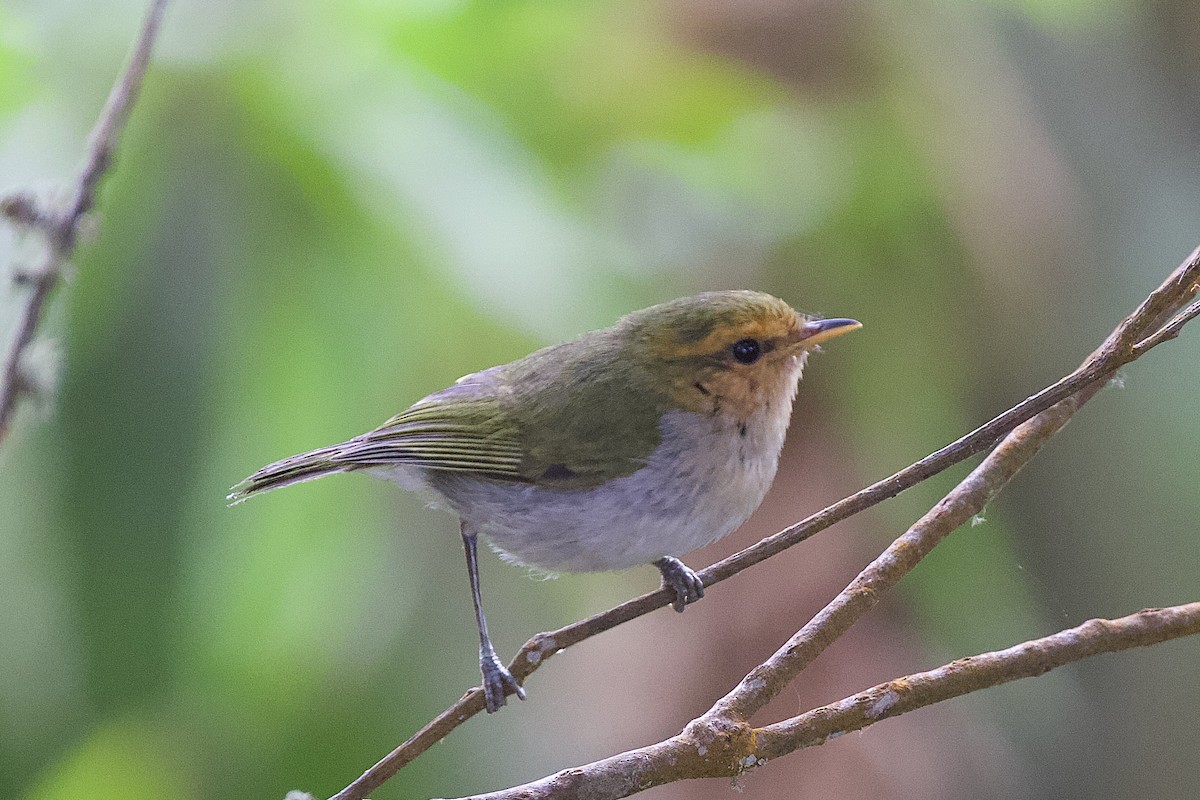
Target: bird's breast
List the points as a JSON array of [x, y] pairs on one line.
[[708, 474]]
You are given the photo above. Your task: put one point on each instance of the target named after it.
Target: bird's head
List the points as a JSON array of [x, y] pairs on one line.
[[731, 351]]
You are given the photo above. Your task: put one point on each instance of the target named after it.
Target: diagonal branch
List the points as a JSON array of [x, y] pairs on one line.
[[967, 499], [1049, 409], [60, 225]]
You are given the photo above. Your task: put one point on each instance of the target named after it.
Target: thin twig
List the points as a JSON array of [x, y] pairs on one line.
[[61, 225], [1168, 331], [1127, 342]]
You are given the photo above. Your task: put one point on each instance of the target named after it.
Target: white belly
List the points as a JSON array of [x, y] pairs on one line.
[[703, 481]]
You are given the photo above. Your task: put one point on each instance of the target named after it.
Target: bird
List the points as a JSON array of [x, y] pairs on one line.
[[629, 445]]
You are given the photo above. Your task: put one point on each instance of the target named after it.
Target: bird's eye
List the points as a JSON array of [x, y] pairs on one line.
[[746, 351]]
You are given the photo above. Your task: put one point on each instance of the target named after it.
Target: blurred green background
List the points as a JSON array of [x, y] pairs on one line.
[[323, 211]]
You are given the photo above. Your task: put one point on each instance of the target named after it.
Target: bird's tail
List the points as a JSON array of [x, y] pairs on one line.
[[294, 469]]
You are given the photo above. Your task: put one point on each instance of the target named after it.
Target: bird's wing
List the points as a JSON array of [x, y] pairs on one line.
[[459, 429], [455, 430], [529, 422]]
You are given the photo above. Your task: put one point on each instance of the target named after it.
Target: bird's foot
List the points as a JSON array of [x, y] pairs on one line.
[[677, 577], [498, 682]]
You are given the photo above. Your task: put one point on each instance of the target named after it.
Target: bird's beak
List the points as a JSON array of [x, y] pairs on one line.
[[815, 331]]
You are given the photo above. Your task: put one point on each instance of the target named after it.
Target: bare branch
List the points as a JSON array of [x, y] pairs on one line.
[[1049, 410], [61, 225], [705, 751], [966, 675], [1168, 331]]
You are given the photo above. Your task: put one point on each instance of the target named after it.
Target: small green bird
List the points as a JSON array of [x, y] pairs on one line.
[[633, 444]]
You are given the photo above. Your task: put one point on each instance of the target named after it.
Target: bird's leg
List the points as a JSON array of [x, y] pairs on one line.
[[686, 584], [498, 682]]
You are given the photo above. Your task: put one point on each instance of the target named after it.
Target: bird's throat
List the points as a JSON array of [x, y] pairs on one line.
[[746, 394]]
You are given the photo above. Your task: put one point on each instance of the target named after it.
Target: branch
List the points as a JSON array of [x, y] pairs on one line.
[[1170, 330], [726, 752], [1026, 660], [1050, 409], [61, 224]]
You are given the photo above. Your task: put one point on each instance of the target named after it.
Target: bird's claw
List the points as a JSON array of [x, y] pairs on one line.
[[677, 577], [498, 683]]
